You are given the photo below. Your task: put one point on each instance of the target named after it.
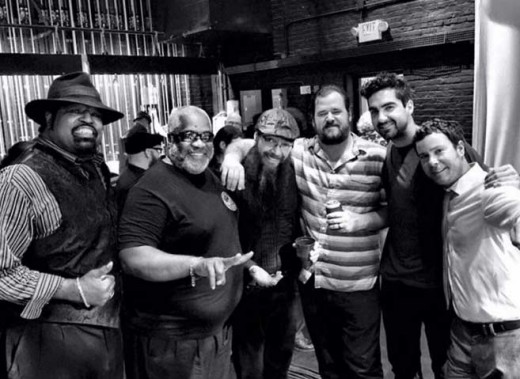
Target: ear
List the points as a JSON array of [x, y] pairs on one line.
[[48, 121], [461, 149], [410, 106]]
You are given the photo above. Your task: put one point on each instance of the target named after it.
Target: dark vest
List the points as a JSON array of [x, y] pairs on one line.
[[86, 238]]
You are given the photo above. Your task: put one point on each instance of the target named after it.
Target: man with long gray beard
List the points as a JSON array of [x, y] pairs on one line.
[[264, 323], [179, 225], [340, 296]]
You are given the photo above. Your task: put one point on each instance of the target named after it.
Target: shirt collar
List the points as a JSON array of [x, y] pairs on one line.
[[468, 181], [352, 149]]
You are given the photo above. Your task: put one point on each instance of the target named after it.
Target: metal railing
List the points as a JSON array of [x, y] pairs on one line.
[[86, 27]]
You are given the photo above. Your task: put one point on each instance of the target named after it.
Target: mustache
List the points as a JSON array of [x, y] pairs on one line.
[[384, 124], [330, 124]]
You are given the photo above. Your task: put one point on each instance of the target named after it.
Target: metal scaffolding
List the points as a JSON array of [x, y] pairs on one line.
[[86, 27]]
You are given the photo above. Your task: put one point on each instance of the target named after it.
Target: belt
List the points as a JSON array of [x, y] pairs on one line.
[[491, 328]]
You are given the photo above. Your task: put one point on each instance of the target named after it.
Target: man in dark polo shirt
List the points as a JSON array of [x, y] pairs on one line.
[[179, 225]]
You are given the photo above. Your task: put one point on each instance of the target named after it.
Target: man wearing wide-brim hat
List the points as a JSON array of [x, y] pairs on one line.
[[59, 285]]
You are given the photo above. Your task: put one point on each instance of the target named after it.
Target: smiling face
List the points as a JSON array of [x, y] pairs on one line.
[[273, 150], [76, 128], [193, 156], [391, 118], [331, 119], [442, 161]]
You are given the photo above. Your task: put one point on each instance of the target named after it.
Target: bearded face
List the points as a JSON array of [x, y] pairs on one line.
[[192, 145], [191, 157], [331, 119], [76, 128], [263, 180]]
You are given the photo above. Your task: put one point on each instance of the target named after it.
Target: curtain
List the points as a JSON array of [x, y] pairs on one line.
[[496, 114]]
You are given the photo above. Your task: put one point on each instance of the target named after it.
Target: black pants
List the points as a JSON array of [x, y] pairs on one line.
[[344, 328], [405, 309], [264, 327], [44, 350], [157, 356]]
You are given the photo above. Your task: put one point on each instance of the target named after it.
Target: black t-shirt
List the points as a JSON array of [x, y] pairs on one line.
[[126, 181], [180, 213]]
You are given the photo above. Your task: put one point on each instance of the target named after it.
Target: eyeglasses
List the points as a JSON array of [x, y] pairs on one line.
[[272, 142], [191, 136]]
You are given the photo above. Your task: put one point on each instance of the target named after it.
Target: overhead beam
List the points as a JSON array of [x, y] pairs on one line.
[[53, 64], [39, 64], [119, 64], [462, 36]]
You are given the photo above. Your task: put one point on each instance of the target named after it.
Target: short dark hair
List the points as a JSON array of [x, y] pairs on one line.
[[227, 134], [143, 115], [326, 90], [385, 80], [449, 128]]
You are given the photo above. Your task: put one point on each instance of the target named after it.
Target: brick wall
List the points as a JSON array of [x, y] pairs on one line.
[[407, 19], [442, 75], [447, 95]]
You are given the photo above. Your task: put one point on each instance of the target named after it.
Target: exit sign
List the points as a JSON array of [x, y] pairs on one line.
[[371, 31]]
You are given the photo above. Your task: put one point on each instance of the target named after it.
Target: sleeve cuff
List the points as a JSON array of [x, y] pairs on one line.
[[45, 289], [250, 263]]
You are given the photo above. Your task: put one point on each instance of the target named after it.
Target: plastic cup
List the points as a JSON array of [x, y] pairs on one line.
[[303, 246]]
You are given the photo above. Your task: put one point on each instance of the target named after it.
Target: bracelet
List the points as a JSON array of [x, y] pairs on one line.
[[81, 293], [193, 276]]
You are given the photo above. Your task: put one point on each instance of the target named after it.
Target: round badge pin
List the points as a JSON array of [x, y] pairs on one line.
[[228, 201]]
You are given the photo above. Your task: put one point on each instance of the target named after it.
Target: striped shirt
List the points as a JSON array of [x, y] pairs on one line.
[[351, 260], [27, 211]]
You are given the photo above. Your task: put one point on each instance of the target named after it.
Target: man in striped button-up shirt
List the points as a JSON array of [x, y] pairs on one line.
[[57, 244], [341, 299]]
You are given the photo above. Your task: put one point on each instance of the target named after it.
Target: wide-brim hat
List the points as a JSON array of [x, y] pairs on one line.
[[278, 122], [74, 88]]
